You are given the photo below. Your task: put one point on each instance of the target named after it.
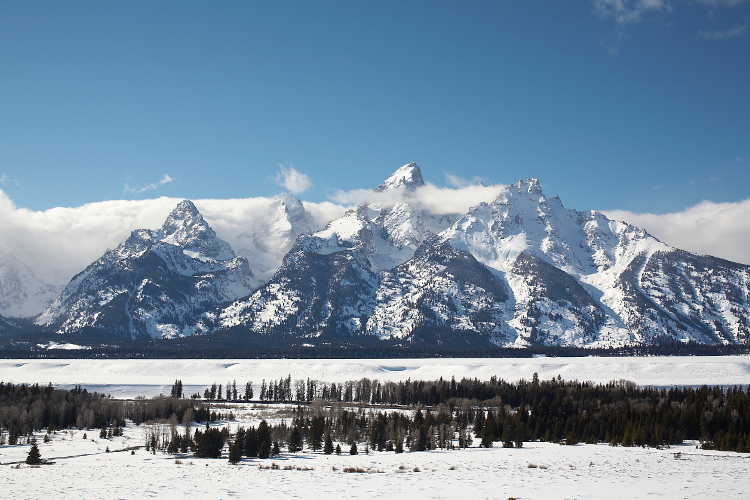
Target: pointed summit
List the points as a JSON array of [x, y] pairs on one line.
[[184, 216], [186, 228], [408, 177]]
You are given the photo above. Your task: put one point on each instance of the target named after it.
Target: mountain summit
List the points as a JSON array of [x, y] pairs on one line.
[[408, 177], [155, 284]]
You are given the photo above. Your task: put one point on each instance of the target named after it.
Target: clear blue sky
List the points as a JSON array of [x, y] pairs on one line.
[[641, 109]]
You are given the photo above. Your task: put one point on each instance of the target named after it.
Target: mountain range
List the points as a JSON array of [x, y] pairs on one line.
[[522, 270]]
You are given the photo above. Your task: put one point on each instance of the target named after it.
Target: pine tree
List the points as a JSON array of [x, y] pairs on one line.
[[251, 442], [399, 446], [328, 447], [34, 457], [235, 452], [353, 449], [265, 450], [338, 449], [294, 443], [316, 431]]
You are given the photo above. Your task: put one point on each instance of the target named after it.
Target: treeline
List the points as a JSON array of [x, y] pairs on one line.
[[619, 413], [419, 415], [28, 408]]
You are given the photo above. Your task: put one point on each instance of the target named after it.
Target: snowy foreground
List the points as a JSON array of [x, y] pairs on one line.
[[129, 378], [83, 468]]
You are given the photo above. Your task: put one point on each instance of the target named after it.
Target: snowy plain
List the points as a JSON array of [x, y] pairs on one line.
[[123, 378], [83, 468]]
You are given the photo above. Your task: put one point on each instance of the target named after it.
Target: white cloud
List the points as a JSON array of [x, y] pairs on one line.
[[60, 242], [723, 34], [708, 228], [721, 3], [625, 12], [294, 181], [629, 12], [460, 182], [5, 180], [435, 199], [148, 187]]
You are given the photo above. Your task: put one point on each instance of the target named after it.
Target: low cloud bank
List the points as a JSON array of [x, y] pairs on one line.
[[434, 199], [60, 242], [708, 228]]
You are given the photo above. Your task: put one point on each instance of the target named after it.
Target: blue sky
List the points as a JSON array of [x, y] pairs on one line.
[[640, 106]]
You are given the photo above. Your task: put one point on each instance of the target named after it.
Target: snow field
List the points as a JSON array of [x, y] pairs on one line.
[[124, 378], [83, 469]]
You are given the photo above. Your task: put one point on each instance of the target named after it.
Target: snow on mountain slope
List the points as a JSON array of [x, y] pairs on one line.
[[386, 233], [22, 293], [327, 281], [543, 248], [441, 288], [408, 177], [521, 270], [272, 236], [155, 284]]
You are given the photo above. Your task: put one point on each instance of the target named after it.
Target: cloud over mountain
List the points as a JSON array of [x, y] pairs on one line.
[[720, 229]]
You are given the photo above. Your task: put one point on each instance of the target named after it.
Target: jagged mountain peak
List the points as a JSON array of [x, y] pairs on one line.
[[184, 217], [185, 227], [408, 177]]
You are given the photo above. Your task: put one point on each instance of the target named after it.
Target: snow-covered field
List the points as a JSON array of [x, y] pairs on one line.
[[130, 378], [83, 468]]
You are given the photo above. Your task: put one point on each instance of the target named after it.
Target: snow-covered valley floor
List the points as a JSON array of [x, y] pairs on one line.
[[126, 378], [83, 469]]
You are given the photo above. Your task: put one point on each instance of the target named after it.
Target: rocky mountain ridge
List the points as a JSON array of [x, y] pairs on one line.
[[519, 271]]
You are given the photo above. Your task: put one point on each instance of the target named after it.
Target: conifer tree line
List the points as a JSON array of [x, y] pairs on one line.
[[618, 413], [417, 415], [215, 393], [28, 408]]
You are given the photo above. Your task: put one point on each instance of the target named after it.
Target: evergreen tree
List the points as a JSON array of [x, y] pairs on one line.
[[328, 447], [264, 435], [251, 442], [235, 452], [353, 449], [34, 457], [248, 391], [316, 431], [294, 442], [338, 449], [265, 450]]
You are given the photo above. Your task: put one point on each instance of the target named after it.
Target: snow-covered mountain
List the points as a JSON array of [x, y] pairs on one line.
[[155, 284], [328, 281], [272, 235], [521, 270], [22, 293]]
